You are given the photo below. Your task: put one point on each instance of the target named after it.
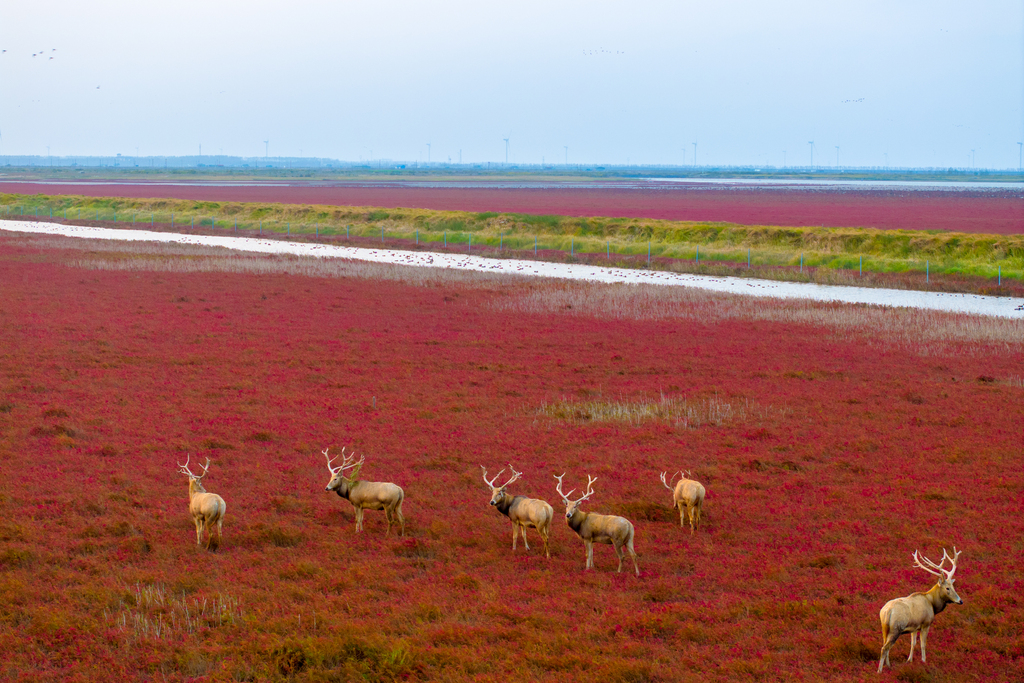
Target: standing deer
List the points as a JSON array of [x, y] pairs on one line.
[[207, 509], [365, 495], [917, 611], [594, 528], [522, 511], [688, 496]]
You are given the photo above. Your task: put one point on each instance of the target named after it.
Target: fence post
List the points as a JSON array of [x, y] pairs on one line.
[[748, 258], [801, 263], [288, 228], [445, 239], [193, 221], [152, 219], [648, 254], [535, 246], [501, 242], [236, 224], [317, 226], [1000, 283], [417, 237], [572, 246], [346, 230], [470, 248], [261, 226], [608, 249], [926, 277], [861, 266], [698, 254]]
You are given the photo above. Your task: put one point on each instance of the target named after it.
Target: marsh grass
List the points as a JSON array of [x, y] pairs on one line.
[[154, 611], [925, 332], [678, 411], [726, 244]]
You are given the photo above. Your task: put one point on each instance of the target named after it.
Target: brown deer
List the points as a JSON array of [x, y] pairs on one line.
[[522, 511], [917, 611], [365, 495], [594, 528], [688, 496], [207, 509]]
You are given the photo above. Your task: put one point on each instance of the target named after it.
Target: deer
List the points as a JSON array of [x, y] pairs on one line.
[[594, 528], [207, 509], [365, 495], [916, 612], [522, 511], [688, 496]]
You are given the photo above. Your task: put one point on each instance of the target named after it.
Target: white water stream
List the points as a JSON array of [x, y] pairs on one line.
[[1004, 307]]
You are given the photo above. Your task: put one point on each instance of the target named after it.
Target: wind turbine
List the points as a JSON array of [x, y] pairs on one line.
[[837, 157], [506, 147], [811, 143], [695, 154], [266, 152]]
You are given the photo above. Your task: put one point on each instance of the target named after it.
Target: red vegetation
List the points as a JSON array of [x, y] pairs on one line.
[[975, 211], [812, 512]]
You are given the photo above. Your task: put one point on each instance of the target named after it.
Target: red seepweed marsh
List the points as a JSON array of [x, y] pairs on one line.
[[833, 441]]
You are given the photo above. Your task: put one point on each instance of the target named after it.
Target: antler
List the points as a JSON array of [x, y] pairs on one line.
[[590, 488], [565, 496], [491, 482], [937, 569], [348, 463], [670, 488], [185, 470], [515, 476], [558, 487], [332, 470]]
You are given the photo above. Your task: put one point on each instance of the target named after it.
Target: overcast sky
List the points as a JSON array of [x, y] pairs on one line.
[[626, 81]]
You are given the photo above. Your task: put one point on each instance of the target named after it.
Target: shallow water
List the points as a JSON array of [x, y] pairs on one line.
[[1004, 307]]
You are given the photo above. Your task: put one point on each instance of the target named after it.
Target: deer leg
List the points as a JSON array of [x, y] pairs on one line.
[[924, 637], [691, 512], [401, 519], [544, 537], [526, 543], [888, 639], [682, 516], [387, 517], [199, 531], [913, 641], [632, 554], [618, 554], [515, 534], [359, 519], [590, 554]]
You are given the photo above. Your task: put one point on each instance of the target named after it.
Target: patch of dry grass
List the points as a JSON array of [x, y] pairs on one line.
[[927, 332], [676, 410]]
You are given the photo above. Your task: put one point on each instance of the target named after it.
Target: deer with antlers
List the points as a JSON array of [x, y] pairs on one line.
[[916, 612], [688, 496], [365, 495], [207, 509], [522, 511], [594, 528]]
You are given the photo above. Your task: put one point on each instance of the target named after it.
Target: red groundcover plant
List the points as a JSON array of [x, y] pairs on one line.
[[832, 460]]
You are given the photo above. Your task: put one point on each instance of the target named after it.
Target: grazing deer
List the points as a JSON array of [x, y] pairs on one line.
[[917, 611], [365, 495], [594, 528], [207, 509], [522, 511], [688, 496]]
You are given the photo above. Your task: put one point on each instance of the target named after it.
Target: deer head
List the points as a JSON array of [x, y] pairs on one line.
[[571, 506], [195, 484], [339, 481], [497, 492], [945, 582], [672, 487]]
